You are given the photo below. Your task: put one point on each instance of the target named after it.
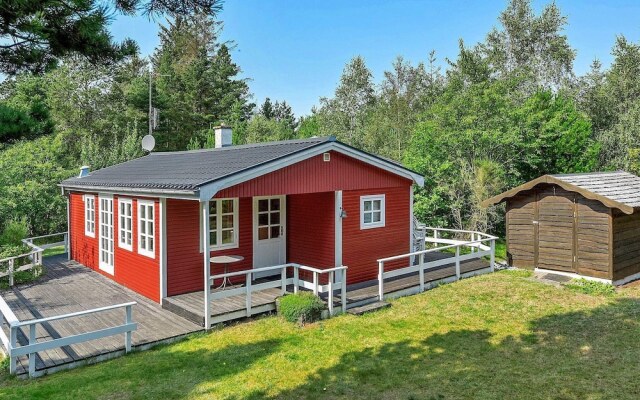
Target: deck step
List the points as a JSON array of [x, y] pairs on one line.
[[189, 315], [378, 305]]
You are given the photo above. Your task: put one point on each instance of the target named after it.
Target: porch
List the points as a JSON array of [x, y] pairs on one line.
[[191, 305]]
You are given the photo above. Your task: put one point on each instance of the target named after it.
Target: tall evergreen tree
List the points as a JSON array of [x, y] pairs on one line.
[[36, 34], [197, 82]]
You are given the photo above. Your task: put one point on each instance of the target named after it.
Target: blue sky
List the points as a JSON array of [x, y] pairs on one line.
[[295, 50]]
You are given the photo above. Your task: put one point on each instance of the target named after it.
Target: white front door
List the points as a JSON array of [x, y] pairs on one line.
[[105, 238], [269, 233]]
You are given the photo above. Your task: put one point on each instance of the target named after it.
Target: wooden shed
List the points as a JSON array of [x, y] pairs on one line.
[[576, 224]]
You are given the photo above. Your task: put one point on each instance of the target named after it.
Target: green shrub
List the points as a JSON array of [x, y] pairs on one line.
[[14, 232], [591, 287], [302, 307]]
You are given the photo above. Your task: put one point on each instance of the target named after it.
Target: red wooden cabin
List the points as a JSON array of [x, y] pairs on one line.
[[312, 201]]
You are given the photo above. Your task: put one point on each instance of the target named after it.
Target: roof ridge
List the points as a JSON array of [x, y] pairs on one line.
[[315, 139]]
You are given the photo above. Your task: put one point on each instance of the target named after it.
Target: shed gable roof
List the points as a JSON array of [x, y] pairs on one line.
[[617, 189], [196, 170]]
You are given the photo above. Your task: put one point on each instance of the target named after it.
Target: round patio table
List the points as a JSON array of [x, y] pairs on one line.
[[226, 260]]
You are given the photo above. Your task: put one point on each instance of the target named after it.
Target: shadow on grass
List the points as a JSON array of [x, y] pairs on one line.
[[150, 374], [577, 355]]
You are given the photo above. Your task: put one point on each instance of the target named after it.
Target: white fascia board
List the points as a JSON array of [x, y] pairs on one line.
[[133, 192], [209, 190]]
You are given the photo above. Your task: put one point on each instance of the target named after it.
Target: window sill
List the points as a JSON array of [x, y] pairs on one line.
[[363, 227]]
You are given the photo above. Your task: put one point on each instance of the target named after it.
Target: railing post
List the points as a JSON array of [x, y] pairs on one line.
[[343, 292], [127, 335], [13, 340], [315, 283], [492, 262], [11, 272], [421, 272], [473, 238], [32, 356], [66, 242], [380, 280], [248, 299], [458, 262], [283, 278], [296, 279], [330, 293]]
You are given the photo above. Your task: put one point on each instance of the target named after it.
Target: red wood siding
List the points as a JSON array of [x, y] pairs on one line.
[[311, 229], [361, 248], [84, 249], [315, 175], [184, 259], [135, 271], [132, 270]]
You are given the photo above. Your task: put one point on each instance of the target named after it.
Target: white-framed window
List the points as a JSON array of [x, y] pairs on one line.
[[372, 211], [125, 224], [89, 215], [146, 228], [223, 223]]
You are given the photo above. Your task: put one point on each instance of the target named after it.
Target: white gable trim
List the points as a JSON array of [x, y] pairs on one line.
[[209, 190]]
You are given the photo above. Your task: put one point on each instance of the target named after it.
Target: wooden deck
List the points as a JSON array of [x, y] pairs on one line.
[[68, 287], [191, 305]]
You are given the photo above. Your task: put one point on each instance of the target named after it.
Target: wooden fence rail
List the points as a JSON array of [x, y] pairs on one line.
[[14, 350], [27, 261], [479, 244], [285, 280]]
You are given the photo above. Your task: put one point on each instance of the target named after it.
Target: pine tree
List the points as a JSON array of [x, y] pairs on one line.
[[196, 80]]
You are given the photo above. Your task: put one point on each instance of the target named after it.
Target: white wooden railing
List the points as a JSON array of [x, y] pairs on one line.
[[14, 350], [10, 265], [479, 244], [296, 281]]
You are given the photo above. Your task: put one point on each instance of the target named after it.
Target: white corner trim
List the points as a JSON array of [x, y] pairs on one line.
[[163, 248], [338, 229]]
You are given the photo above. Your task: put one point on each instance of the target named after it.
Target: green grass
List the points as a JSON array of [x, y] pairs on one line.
[[53, 251], [591, 287], [497, 336]]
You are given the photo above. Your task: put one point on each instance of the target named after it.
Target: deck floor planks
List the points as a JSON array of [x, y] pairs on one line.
[[69, 287], [194, 302]]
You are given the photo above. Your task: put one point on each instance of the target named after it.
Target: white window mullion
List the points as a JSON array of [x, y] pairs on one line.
[[146, 228], [89, 215], [125, 224], [372, 211], [223, 218]]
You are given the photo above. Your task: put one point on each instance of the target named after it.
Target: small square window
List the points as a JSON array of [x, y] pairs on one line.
[[372, 211]]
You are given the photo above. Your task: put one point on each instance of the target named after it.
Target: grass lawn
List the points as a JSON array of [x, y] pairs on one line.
[[53, 251], [491, 337]]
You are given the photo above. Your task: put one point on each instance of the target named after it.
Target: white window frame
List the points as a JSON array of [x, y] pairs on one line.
[[152, 235], [122, 229], [371, 198], [106, 230], [218, 228], [89, 223]]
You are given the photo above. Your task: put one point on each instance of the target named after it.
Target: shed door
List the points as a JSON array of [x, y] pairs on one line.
[[556, 229]]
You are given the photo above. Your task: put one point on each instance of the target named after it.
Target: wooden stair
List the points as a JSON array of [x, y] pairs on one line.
[[370, 307]]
